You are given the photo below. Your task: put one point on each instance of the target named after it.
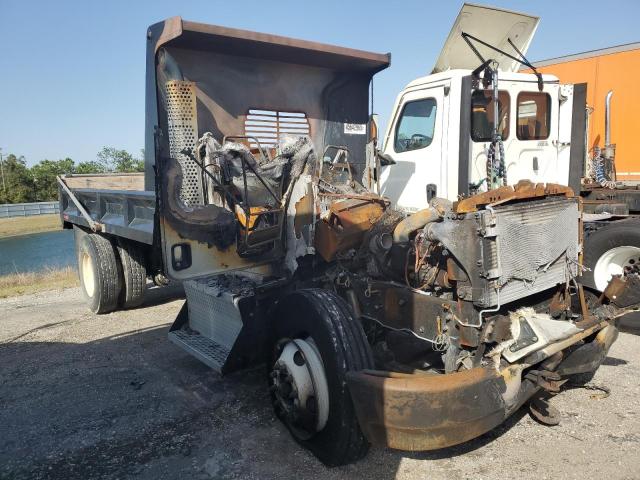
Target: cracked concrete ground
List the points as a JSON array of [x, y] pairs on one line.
[[86, 396]]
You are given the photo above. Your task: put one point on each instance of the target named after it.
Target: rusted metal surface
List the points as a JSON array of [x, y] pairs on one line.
[[523, 189], [427, 412], [623, 291], [401, 308], [274, 47], [560, 303], [589, 356], [347, 222], [329, 84]]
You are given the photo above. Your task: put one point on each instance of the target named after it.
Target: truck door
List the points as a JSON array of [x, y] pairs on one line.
[[565, 133], [415, 144], [528, 129], [532, 154]]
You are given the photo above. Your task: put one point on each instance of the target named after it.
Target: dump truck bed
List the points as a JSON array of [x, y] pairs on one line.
[[110, 203]]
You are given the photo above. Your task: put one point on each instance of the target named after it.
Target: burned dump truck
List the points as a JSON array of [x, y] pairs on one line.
[[416, 332]]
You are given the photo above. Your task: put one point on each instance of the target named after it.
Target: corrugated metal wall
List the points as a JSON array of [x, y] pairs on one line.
[[603, 71]]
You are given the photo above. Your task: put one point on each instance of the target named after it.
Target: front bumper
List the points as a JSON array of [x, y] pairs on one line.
[[427, 412]]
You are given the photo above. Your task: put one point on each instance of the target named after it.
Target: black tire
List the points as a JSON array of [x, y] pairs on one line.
[[102, 283], [134, 273], [596, 243], [343, 347]]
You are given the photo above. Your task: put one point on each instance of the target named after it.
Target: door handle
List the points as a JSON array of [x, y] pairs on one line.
[[559, 144]]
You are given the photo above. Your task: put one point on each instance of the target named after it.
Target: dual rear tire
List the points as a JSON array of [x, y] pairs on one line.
[[111, 276]]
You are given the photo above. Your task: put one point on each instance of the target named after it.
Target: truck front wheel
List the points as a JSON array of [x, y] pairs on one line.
[[611, 250], [316, 341], [99, 271]]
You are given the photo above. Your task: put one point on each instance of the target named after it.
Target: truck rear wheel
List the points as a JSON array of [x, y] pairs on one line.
[[612, 250], [316, 342], [99, 271], [134, 273]]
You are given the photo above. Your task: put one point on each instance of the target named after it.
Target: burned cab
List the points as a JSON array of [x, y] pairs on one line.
[[416, 332]]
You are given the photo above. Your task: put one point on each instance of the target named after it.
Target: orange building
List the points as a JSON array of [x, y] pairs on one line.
[[617, 69]]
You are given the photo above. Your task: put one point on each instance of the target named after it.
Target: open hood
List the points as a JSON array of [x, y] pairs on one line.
[[493, 26]]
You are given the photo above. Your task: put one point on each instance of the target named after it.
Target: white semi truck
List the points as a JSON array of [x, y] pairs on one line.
[[441, 130]]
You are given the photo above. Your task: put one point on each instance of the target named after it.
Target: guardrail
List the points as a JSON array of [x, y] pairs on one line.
[[8, 210]]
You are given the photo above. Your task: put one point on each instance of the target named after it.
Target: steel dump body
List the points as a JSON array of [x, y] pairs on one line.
[[128, 214], [255, 70]]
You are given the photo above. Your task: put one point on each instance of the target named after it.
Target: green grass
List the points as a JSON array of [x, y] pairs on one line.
[[49, 279], [10, 227]]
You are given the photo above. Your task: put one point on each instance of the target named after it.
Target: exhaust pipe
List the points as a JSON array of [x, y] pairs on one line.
[[609, 151], [607, 119]]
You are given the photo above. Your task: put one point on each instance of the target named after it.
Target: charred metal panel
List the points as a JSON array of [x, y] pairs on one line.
[[257, 70], [210, 224], [346, 225], [406, 309], [228, 86], [628, 195], [588, 356]]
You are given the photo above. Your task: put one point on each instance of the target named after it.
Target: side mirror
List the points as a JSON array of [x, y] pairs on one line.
[[432, 191], [385, 159]]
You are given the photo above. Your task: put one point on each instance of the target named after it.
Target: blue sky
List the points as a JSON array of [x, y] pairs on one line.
[[72, 72]]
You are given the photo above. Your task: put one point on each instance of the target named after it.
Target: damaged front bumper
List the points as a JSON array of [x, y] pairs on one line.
[[427, 412]]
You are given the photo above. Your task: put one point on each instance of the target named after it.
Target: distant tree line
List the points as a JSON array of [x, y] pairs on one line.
[[21, 184]]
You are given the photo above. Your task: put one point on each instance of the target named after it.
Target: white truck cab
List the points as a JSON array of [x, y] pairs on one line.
[[439, 134]]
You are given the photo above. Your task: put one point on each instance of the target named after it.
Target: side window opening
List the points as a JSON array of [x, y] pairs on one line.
[[416, 126], [482, 107], [534, 115]]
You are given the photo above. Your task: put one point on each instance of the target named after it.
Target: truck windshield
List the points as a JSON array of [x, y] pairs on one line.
[[482, 115], [416, 125], [534, 115]]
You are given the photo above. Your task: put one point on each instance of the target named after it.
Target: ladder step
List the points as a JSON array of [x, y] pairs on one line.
[[201, 347]]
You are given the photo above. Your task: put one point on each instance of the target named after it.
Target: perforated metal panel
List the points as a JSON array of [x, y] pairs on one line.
[[269, 126], [183, 133]]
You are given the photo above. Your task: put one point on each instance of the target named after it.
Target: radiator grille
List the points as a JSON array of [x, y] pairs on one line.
[[535, 248]]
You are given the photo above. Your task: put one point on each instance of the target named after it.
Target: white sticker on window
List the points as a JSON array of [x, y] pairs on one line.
[[355, 128]]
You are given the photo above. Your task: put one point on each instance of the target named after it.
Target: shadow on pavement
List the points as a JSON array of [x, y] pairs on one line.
[[132, 404]]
